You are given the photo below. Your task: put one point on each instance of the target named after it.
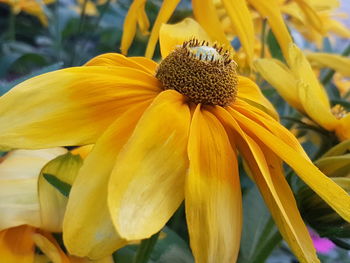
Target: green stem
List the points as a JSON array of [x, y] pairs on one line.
[[263, 38], [145, 249], [331, 72]]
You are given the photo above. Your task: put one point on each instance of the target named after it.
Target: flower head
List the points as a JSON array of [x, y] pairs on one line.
[[161, 138]]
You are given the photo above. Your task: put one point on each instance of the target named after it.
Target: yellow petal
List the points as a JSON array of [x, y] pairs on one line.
[[164, 14], [336, 62], [118, 60], [205, 13], [281, 79], [130, 23], [171, 36], [148, 63], [251, 93], [271, 11], [312, 16], [343, 128], [143, 196], [87, 226], [338, 28], [242, 22], [49, 246], [58, 108], [303, 72], [16, 245], [335, 196], [213, 194], [52, 201], [314, 108], [266, 169], [142, 20], [19, 173]]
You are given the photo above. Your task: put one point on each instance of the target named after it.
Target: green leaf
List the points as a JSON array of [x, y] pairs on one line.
[[61, 186], [274, 47], [260, 235]]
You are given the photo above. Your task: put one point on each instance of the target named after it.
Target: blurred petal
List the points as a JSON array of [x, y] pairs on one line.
[[49, 246], [57, 108], [312, 16], [271, 11], [213, 194], [16, 245], [146, 186], [314, 108], [130, 23], [242, 22], [142, 20], [281, 79], [334, 195], [205, 13], [343, 128], [52, 201], [267, 172], [87, 227], [171, 36], [336, 62], [165, 12], [304, 73], [251, 93], [19, 173]]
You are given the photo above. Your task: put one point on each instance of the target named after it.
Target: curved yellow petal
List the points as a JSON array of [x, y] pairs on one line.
[[213, 195], [242, 22], [142, 20], [58, 108], [314, 108], [266, 169], [87, 226], [19, 172], [16, 245], [165, 12], [281, 79], [271, 11], [130, 24], [343, 128], [336, 62], [118, 60], [147, 184], [338, 28], [205, 13], [173, 35], [251, 93], [49, 246], [312, 16], [146, 62], [304, 73], [334, 195]]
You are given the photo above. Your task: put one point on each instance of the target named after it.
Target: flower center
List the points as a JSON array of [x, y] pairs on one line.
[[338, 111], [205, 74]]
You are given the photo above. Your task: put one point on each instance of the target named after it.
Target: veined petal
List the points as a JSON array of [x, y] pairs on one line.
[[147, 183], [242, 22], [118, 60], [130, 24], [69, 106], [337, 62], [171, 36], [19, 173], [16, 245], [87, 226], [266, 169], [271, 11], [251, 93], [205, 13], [281, 79], [213, 195], [303, 72], [314, 108], [49, 246], [334, 195], [165, 12]]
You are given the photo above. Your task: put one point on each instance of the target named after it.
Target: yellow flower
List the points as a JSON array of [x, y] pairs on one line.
[[31, 209], [32, 7], [299, 86], [165, 133], [205, 12], [90, 8]]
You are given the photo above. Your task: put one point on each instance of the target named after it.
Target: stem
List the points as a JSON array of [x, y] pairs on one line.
[[12, 25], [263, 38], [145, 249], [331, 72]]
